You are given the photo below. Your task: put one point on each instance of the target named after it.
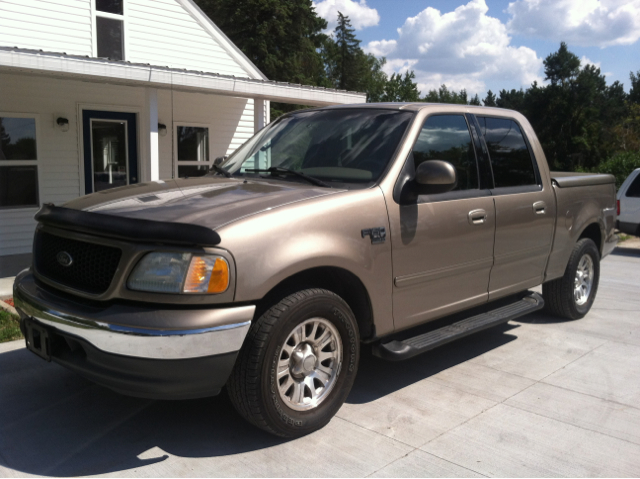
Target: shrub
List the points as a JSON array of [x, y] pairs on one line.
[[619, 165]]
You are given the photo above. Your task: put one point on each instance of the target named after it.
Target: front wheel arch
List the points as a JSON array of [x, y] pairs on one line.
[[339, 281]]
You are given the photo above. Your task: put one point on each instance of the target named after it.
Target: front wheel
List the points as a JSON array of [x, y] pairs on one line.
[[572, 295], [297, 364]]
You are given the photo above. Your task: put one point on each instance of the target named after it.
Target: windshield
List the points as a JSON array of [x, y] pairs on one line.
[[345, 146]]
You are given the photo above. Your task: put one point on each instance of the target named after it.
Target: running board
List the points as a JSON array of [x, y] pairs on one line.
[[399, 350]]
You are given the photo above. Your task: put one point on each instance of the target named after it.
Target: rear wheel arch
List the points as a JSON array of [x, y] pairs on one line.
[[594, 232], [340, 281]]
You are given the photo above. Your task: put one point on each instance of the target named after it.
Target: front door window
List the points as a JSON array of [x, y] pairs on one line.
[[109, 154]]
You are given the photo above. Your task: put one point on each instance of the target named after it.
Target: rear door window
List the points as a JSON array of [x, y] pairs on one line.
[[447, 138], [511, 160]]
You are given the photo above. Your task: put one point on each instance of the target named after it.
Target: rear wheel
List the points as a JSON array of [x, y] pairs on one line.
[[297, 364], [572, 295]]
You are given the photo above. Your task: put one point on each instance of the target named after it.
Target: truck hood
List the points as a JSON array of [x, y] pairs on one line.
[[210, 202]]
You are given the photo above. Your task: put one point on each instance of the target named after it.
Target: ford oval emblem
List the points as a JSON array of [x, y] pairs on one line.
[[64, 259]]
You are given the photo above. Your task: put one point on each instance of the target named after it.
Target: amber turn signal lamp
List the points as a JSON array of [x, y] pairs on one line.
[[207, 274], [219, 277]]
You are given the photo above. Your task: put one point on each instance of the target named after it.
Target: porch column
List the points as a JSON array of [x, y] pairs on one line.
[[154, 156], [258, 115]]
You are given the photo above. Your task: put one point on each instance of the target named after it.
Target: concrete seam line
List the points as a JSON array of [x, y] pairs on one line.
[[8, 308]]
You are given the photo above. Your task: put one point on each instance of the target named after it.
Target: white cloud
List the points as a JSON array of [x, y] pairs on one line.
[[359, 13], [599, 23], [465, 48], [382, 48], [584, 61]]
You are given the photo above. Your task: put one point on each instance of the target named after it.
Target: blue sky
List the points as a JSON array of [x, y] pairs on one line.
[[493, 44]]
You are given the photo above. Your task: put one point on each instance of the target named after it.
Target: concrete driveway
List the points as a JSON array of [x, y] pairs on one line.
[[536, 397]]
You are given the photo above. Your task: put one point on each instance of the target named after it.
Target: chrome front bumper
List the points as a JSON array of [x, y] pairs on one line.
[[121, 329]]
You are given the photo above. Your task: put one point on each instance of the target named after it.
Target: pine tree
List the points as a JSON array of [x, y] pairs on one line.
[[348, 47], [562, 66], [634, 92], [490, 99], [475, 100]]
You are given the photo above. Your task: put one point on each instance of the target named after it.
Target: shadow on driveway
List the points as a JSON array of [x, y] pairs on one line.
[[629, 252], [53, 422]]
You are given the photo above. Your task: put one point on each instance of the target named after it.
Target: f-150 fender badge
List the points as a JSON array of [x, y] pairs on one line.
[[377, 235]]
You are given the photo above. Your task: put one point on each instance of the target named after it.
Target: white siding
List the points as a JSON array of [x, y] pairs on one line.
[[230, 122], [158, 32], [163, 33], [50, 25]]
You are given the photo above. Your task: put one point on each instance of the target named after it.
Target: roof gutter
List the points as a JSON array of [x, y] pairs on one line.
[[138, 74]]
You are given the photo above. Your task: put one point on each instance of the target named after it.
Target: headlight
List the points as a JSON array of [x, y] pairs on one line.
[[180, 273]]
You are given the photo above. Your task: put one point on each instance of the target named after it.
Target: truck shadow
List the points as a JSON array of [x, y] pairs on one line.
[[378, 377], [55, 423], [629, 252]]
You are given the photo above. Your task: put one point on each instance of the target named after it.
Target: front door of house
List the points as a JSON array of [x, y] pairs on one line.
[[110, 150]]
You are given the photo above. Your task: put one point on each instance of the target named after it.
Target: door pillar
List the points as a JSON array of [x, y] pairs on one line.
[[258, 115]]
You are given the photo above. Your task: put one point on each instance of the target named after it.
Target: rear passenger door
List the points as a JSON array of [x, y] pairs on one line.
[[525, 208]]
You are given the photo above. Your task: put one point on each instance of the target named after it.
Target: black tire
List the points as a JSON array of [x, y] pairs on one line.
[[252, 385], [559, 294]]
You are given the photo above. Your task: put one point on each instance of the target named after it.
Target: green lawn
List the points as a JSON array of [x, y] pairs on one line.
[[9, 328]]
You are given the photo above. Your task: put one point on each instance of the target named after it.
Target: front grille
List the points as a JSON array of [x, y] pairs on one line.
[[91, 270]]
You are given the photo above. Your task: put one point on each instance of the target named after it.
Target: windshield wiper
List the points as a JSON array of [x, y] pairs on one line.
[[280, 169], [220, 170]]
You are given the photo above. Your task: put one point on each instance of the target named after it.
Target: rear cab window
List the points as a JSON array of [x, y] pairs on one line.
[[634, 188], [511, 160]]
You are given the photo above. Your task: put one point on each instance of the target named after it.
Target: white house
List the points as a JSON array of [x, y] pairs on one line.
[[96, 94]]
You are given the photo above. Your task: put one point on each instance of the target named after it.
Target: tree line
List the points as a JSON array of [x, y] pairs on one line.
[[583, 123]]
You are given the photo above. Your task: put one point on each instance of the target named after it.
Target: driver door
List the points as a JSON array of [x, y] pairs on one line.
[[442, 246]]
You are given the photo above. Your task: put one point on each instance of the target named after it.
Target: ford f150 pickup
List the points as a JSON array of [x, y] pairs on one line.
[[398, 226]]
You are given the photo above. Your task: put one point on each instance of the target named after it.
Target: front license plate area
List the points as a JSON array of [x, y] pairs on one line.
[[37, 339]]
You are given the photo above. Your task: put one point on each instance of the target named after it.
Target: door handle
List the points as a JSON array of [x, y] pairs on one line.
[[539, 207], [477, 217]]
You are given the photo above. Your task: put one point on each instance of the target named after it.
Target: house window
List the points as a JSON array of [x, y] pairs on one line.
[[109, 6], [18, 162], [110, 29], [192, 151]]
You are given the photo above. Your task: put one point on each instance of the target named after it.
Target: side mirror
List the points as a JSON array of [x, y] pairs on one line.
[[218, 161], [435, 176]]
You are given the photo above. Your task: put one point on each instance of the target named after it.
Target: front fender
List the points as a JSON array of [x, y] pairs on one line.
[[270, 247]]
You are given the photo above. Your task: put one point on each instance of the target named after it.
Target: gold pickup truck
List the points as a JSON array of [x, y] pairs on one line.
[[330, 229]]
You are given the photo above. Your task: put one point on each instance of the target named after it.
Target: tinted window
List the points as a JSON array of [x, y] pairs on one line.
[[18, 186], [447, 138], [109, 38], [634, 188], [17, 139], [510, 158]]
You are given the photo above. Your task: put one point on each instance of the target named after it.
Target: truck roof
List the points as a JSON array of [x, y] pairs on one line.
[[414, 106]]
